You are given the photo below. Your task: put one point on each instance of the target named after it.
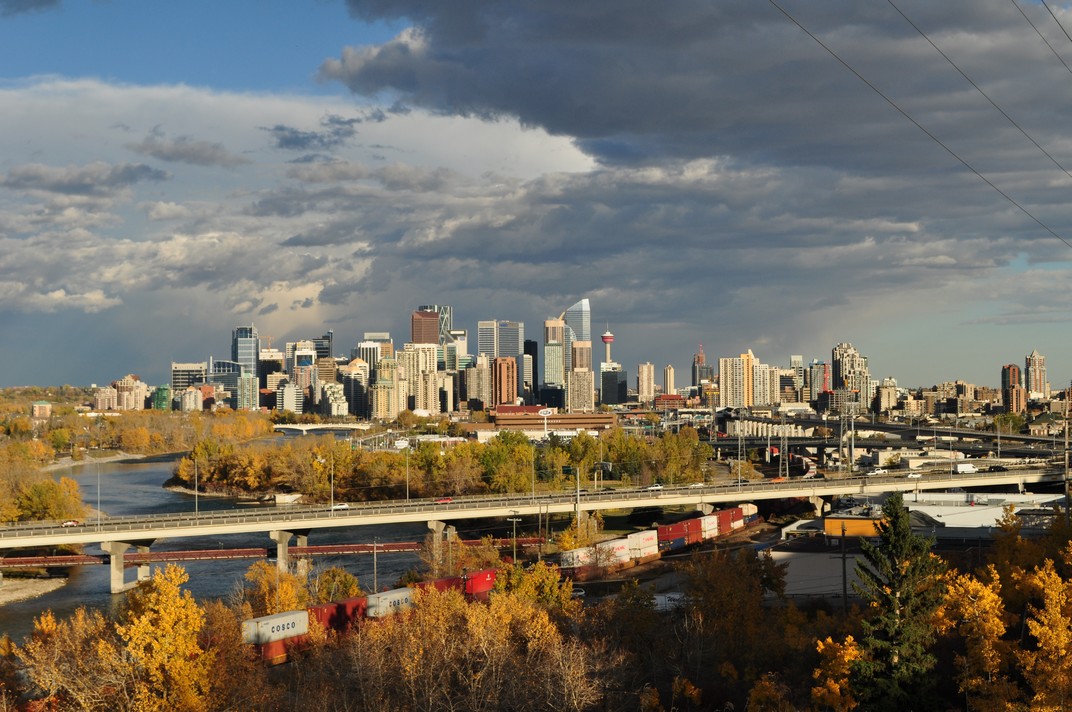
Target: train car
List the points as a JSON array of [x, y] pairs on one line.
[[388, 602], [693, 531], [672, 544], [709, 526], [479, 584], [666, 532]]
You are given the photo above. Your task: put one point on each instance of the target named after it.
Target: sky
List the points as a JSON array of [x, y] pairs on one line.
[[778, 176]]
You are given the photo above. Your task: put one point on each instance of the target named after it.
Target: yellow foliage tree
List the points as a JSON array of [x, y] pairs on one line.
[[833, 690], [1048, 666], [160, 630], [269, 590]]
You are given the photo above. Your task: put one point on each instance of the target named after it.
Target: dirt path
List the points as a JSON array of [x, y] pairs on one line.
[[21, 589]]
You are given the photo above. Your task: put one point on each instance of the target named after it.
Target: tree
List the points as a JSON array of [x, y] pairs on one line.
[[335, 584], [269, 590], [1047, 667], [833, 689], [901, 582], [160, 630]]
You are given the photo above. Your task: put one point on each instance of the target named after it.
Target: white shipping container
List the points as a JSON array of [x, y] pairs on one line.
[[279, 626], [709, 526], [747, 509], [737, 524], [388, 602], [643, 543], [577, 557], [613, 551], [649, 550]]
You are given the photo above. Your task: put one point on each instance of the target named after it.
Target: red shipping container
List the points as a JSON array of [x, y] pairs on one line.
[[693, 531], [480, 582], [351, 611], [324, 614], [737, 514], [441, 584], [671, 531], [725, 521]]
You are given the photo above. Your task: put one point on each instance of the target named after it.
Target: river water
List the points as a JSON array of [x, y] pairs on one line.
[[136, 488]]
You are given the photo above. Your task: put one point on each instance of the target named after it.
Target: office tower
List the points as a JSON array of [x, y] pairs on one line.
[[355, 377], [424, 327], [300, 354], [324, 345], [736, 381], [850, 373], [504, 380], [796, 363], [532, 370], [383, 338], [247, 395], [417, 377], [503, 339], [269, 361], [184, 375], [613, 384], [246, 348], [446, 321], [581, 355], [668, 381], [447, 385], [580, 391], [478, 386], [1035, 381], [886, 398], [1010, 376], [385, 398], [579, 318], [456, 356], [766, 383], [817, 379], [289, 397], [646, 382], [554, 358], [699, 359], [326, 369]]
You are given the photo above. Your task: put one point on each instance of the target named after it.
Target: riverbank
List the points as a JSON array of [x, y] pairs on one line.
[[23, 589], [68, 462]]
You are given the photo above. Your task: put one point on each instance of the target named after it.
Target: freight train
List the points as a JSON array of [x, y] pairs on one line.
[[650, 544], [277, 636]]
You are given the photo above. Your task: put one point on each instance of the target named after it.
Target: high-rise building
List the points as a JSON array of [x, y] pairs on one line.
[[246, 348], [580, 391], [324, 345], [668, 380], [736, 377], [184, 375], [581, 355], [504, 380], [1035, 382], [646, 382], [532, 370], [554, 358], [300, 354], [613, 384], [1010, 376], [503, 339], [577, 321], [355, 377], [699, 359], [478, 386], [424, 326], [269, 361], [446, 321], [850, 373]]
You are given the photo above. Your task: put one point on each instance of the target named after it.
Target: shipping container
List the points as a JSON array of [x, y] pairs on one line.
[[737, 524], [388, 602], [644, 539], [693, 531], [751, 519], [350, 611], [672, 544], [326, 614], [479, 583], [279, 626], [442, 584], [747, 509], [736, 514], [725, 521], [709, 524], [671, 531], [614, 551], [577, 557]]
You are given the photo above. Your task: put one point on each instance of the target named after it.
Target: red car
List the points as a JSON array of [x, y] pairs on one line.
[[72, 523], [444, 500]]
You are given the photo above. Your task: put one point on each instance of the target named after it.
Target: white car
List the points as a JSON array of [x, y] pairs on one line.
[[877, 471], [698, 484], [914, 475], [340, 505], [655, 488]]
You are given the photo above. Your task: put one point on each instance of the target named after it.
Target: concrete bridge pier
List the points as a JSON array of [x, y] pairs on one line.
[[282, 546], [819, 504], [705, 508], [115, 551]]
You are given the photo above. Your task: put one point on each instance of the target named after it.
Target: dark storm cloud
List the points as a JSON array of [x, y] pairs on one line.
[[335, 131], [95, 179], [16, 7], [640, 82], [184, 149]]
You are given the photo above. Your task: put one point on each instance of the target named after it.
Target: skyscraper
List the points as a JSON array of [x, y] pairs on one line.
[[503, 339], [1035, 381], [851, 374], [424, 327], [246, 348], [736, 381], [554, 345], [446, 320], [668, 380], [646, 382], [578, 327], [504, 380]]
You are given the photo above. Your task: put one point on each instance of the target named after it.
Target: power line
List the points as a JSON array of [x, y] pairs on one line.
[[920, 126], [1041, 36], [979, 89], [1058, 22]]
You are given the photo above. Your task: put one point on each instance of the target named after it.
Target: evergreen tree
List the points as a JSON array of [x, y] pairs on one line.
[[902, 584]]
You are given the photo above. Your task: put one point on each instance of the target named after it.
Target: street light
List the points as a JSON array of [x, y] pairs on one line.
[[515, 519], [407, 473], [332, 481]]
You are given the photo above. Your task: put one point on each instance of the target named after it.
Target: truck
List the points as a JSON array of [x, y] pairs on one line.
[[965, 468]]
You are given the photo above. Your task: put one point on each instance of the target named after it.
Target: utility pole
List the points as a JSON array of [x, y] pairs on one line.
[[515, 519]]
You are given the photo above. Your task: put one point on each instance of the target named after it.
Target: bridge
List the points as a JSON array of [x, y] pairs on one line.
[[324, 427], [115, 535]]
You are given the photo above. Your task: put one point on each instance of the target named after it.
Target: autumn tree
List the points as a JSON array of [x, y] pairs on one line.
[[901, 582], [334, 584], [269, 590], [159, 629], [1047, 666], [974, 610], [833, 687]]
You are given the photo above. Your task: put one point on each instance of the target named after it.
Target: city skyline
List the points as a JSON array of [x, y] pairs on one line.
[[711, 174]]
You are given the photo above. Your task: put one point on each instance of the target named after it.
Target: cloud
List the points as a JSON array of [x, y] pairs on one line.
[[17, 7], [186, 150], [96, 179], [335, 131]]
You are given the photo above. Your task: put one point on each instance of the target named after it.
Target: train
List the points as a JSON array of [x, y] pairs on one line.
[[276, 637], [641, 547]]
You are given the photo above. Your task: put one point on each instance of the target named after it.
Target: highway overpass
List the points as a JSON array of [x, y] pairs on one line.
[[115, 535]]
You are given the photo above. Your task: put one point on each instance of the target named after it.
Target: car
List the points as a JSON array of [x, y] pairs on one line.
[[340, 505], [877, 471], [655, 488], [72, 523], [698, 484], [810, 476], [444, 500], [997, 468], [914, 475], [577, 593]]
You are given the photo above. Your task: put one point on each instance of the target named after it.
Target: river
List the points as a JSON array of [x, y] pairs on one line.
[[136, 488]]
